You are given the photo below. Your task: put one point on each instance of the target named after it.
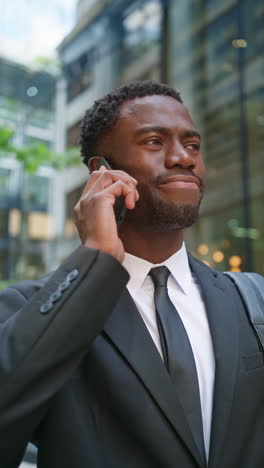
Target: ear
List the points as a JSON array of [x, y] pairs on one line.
[[92, 163]]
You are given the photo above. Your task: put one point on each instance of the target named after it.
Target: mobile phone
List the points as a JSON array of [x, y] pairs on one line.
[[120, 208]]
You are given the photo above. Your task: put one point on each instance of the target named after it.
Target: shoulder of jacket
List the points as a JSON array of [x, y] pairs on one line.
[[219, 275]]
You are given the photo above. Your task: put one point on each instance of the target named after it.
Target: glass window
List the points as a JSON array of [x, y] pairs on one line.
[[36, 192], [253, 16], [29, 264], [219, 240], [2, 266], [221, 81], [80, 73], [5, 176], [255, 123], [4, 222], [257, 233], [142, 28]]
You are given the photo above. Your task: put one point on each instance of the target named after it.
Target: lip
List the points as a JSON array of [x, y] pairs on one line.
[[180, 181]]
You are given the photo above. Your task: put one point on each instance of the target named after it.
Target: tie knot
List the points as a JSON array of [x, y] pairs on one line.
[[159, 276]]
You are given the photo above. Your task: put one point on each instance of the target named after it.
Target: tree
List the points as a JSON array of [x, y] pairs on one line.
[[36, 154], [6, 136]]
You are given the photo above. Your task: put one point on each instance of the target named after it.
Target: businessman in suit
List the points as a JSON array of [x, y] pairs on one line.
[[105, 363]]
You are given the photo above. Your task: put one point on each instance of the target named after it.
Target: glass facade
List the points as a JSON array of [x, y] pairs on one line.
[[215, 59], [5, 174], [80, 74], [141, 40], [141, 29], [26, 228], [27, 107]]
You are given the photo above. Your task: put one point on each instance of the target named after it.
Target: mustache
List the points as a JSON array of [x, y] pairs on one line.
[[161, 177]]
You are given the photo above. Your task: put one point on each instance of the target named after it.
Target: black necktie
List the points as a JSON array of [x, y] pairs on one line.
[[177, 353]]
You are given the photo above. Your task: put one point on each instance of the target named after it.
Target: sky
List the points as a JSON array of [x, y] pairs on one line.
[[33, 28]]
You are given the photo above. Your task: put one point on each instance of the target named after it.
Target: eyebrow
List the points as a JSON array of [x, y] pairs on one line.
[[186, 133], [192, 133]]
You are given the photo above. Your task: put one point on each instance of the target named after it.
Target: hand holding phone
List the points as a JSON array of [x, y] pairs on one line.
[[120, 208], [98, 215]]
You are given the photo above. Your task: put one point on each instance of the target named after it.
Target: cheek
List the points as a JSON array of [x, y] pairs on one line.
[[139, 168], [142, 165], [143, 174], [200, 169]]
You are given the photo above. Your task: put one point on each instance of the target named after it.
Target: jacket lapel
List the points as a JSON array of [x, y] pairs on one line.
[[128, 332], [221, 312]]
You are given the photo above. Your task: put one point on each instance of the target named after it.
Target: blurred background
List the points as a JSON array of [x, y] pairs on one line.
[[57, 57]]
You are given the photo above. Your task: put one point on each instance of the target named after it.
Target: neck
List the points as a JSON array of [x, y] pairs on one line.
[[153, 247]]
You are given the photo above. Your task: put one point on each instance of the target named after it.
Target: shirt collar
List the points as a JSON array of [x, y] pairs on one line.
[[178, 264]]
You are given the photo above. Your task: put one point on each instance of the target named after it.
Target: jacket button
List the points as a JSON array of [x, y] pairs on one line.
[[65, 285], [72, 275], [46, 307], [55, 296]]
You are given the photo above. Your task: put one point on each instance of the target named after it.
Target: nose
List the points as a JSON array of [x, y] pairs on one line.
[[181, 157]]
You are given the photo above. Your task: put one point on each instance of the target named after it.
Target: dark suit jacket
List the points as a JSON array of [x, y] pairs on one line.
[[80, 375]]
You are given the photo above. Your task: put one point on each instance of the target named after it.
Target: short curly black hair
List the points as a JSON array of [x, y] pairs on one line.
[[101, 117]]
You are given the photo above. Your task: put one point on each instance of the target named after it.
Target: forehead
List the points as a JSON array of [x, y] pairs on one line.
[[154, 110]]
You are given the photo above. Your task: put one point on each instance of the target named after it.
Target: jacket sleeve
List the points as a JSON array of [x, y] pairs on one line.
[[46, 328]]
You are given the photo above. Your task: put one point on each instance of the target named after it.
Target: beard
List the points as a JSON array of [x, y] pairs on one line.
[[153, 213]]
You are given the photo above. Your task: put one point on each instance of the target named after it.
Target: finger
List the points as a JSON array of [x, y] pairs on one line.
[[131, 199], [110, 193], [121, 188], [123, 173], [102, 179], [113, 173]]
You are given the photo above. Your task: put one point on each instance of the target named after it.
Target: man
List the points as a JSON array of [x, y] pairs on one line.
[[90, 369]]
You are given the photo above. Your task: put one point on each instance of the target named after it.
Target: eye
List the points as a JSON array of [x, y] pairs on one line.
[[154, 141], [194, 146]]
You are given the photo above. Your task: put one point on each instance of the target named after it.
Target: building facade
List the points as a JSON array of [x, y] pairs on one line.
[[27, 104], [216, 60]]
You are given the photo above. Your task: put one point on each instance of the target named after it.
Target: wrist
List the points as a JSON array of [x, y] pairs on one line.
[[115, 251]]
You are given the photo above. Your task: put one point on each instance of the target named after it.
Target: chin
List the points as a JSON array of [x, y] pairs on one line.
[[163, 216]]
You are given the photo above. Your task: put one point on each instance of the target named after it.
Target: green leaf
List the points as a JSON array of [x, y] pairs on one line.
[[6, 135], [37, 154]]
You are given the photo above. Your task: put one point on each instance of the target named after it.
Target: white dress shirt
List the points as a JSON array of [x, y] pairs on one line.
[[185, 295]]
